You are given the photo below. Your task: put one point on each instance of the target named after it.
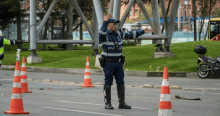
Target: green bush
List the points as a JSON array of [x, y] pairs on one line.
[[129, 43]]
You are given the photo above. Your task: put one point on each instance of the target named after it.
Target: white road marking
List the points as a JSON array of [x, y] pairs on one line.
[[98, 104], [81, 111], [207, 92], [5, 79]]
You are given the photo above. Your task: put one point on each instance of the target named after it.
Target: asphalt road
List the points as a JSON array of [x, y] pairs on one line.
[[71, 100]]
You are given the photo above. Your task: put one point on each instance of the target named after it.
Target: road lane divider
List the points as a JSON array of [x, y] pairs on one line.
[[96, 104], [81, 111]]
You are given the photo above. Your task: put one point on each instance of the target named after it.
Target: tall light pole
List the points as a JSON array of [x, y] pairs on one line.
[[179, 15]]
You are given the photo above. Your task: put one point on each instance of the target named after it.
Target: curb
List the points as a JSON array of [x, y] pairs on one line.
[[202, 89], [145, 86], [175, 87], [96, 71], [148, 86], [171, 74]]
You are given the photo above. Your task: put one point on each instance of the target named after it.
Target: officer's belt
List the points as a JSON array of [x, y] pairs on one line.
[[113, 59], [110, 50]]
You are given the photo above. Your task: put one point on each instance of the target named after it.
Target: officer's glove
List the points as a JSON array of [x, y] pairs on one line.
[[19, 42]]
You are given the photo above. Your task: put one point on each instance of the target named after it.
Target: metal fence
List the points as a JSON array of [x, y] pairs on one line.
[[178, 36]]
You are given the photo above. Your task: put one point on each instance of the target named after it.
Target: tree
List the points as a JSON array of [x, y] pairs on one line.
[[61, 17], [141, 17], [61, 11], [129, 21], [216, 13], [205, 10], [149, 10], [9, 10]]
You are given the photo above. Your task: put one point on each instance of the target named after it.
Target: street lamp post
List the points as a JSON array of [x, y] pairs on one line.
[[179, 20]]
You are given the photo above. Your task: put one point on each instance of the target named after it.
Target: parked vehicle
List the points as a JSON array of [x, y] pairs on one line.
[[214, 29], [208, 64]]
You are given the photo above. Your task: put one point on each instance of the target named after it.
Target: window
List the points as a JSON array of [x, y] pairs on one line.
[[213, 26], [22, 2], [214, 29]]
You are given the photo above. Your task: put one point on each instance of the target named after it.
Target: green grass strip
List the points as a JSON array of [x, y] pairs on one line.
[[138, 58]]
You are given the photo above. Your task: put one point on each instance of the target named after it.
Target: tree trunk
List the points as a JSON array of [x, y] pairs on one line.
[[45, 35], [52, 26], [63, 29], [209, 15], [19, 37], [62, 35], [81, 33], [29, 28], [194, 9], [70, 26], [202, 9], [207, 30], [201, 28], [46, 27]]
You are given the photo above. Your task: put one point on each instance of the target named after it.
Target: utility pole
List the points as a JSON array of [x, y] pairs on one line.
[[179, 16], [194, 7], [184, 18]]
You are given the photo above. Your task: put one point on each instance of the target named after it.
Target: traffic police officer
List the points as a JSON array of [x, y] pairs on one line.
[[111, 40], [3, 42]]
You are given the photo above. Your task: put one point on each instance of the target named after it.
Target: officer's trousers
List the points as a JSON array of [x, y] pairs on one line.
[[113, 69]]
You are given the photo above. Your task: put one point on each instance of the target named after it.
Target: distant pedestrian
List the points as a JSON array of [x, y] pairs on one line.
[[112, 59], [3, 42]]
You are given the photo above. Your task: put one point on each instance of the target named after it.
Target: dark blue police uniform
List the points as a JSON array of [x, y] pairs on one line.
[[112, 53]]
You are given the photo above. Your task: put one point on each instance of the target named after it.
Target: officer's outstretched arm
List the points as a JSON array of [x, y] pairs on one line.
[[103, 29], [132, 34], [102, 32], [10, 42]]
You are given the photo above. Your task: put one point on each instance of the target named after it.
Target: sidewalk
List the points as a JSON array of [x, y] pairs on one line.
[[100, 72]]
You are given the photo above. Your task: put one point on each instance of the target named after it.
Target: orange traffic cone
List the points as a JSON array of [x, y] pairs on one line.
[[16, 106], [87, 79], [165, 107], [24, 85]]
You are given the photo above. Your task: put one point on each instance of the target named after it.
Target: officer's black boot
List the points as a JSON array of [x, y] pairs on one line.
[[107, 97], [121, 98]]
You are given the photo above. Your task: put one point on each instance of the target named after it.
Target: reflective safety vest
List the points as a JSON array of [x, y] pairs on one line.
[[3, 42], [112, 41]]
